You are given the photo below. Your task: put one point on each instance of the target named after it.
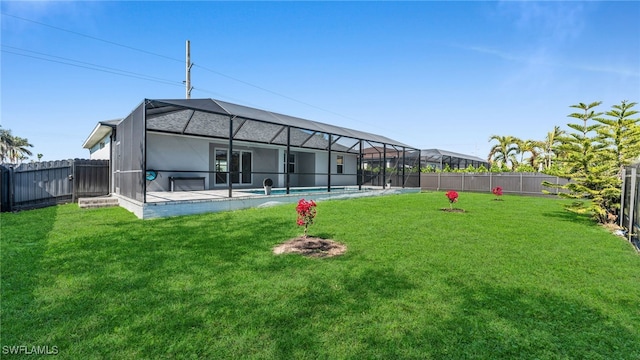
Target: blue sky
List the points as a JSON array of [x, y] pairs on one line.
[[442, 75]]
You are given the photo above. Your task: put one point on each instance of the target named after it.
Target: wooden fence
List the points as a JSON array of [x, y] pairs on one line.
[[40, 184]]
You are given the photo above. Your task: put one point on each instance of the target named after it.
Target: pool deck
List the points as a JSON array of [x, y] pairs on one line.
[[165, 203], [164, 196]]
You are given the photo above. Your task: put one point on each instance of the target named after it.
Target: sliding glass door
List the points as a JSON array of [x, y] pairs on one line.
[[238, 166]]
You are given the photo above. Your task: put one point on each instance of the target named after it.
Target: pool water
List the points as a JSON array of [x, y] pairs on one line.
[[302, 190]]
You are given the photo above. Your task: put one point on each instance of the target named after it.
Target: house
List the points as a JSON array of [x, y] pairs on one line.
[[197, 145], [374, 157], [439, 159], [99, 141]]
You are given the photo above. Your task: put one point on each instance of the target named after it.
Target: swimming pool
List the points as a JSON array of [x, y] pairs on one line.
[[305, 190]]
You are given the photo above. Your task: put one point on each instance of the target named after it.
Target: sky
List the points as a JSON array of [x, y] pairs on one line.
[[429, 74]]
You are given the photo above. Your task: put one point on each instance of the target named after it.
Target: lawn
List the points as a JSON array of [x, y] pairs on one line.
[[513, 279]]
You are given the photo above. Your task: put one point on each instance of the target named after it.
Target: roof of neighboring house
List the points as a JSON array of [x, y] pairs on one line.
[[102, 129], [437, 154], [172, 115]]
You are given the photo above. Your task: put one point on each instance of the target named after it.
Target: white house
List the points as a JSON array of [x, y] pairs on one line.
[[207, 144], [99, 141]]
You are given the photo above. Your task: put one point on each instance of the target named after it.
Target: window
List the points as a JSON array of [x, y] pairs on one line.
[[291, 163], [340, 164]]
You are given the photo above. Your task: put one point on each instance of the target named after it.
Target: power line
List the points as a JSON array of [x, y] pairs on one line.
[[98, 68], [274, 93], [178, 60], [93, 37], [90, 65]]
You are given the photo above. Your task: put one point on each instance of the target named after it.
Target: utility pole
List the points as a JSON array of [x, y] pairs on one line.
[[189, 65]]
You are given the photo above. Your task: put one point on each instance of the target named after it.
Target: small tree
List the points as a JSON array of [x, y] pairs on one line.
[[497, 191], [306, 210], [452, 196], [589, 166], [621, 133]]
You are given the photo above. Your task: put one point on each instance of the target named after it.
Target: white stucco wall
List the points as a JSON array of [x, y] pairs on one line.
[[102, 150], [171, 152], [349, 175], [184, 156]]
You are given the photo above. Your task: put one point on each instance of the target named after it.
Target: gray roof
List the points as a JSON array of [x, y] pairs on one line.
[[436, 154], [208, 117]]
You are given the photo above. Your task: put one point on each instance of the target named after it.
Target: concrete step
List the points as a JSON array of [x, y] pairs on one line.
[[97, 202]]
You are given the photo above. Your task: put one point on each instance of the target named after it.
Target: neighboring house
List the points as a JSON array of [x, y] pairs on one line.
[[207, 144], [439, 159], [99, 141], [374, 157]]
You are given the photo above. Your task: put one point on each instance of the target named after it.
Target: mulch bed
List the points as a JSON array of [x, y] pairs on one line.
[[311, 247], [454, 210]]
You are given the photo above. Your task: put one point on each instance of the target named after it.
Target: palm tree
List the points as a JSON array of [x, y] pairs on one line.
[[550, 145], [6, 142], [532, 147], [504, 151], [19, 151], [13, 148]]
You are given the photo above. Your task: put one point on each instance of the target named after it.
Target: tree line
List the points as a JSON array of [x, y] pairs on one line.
[[591, 152]]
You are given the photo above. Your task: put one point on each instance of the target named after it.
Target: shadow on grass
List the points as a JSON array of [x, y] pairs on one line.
[[566, 215]]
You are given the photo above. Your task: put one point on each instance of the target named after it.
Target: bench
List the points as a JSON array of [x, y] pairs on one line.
[[186, 183]]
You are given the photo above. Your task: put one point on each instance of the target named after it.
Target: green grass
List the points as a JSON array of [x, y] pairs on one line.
[[513, 279]]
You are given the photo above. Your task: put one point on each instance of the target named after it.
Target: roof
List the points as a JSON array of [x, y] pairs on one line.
[[173, 121], [102, 129], [438, 153]]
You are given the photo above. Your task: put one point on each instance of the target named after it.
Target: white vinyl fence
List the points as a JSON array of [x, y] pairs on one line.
[[511, 183]]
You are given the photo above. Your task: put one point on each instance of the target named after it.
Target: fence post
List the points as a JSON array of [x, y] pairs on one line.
[[73, 181], [439, 180], [490, 182], [622, 198], [11, 188], [462, 182], [634, 176], [521, 180]]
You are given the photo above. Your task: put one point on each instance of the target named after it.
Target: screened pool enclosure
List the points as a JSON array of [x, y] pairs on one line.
[[201, 145]]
